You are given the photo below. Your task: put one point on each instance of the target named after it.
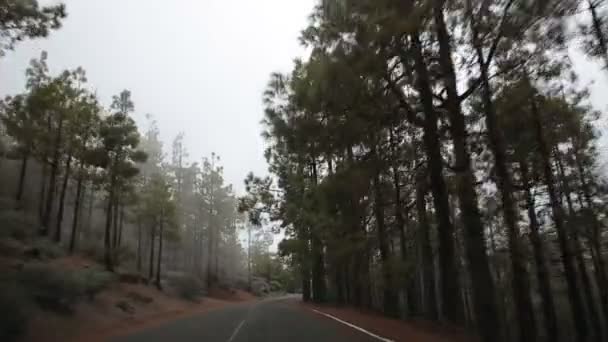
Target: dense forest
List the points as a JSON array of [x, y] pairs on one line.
[[79, 177], [439, 160]]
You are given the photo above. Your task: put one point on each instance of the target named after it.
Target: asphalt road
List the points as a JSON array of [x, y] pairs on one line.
[[266, 321]]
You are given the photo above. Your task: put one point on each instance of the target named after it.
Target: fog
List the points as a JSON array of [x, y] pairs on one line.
[[197, 66]]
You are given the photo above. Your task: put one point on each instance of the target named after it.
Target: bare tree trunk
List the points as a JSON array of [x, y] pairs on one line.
[[428, 266], [48, 210], [390, 298], [42, 191], [107, 238], [22, 175], [542, 271], [578, 252], [77, 207], [121, 220], [574, 295], [160, 250], [318, 264], [64, 188], [598, 31], [90, 208], [43, 180], [115, 212], [151, 270], [451, 300], [520, 277], [139, 251], [595, 240], [484, 301]]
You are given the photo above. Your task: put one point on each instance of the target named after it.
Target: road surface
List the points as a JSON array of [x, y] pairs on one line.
[[274, 320]]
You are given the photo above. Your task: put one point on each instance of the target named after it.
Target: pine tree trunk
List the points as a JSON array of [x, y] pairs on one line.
[[139, 251], [574, 296], [520, 276], [578, 252], [542, 271], [211, 241], [595, 241], [107, 238], [121, 221], [151, 260], [318, 265], [160, 250], [48, 210], [22, 175], [43, 181], [42, 191], [64, 187], [451, 300], [77, 207], [390, 298], [90, 208], [428, 266], [115, 212], [598, 31]]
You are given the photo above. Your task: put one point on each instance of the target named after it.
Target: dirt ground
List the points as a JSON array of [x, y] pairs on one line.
[[120, 309], [397, 330], [102, 319]]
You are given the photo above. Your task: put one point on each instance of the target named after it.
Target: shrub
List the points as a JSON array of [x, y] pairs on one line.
[[260, 287], [16, 225], [187, 287], [91, 281], [276, 286], [13, 316], [47, 249], [51, 288]]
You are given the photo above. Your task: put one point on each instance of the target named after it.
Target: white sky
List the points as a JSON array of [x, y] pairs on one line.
[[198, 66]]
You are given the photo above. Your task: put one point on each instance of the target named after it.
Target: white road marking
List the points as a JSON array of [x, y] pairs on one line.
[[236, 331], [353, 326]]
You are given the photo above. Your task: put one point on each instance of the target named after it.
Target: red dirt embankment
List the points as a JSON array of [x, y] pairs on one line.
[[394, 329], [121, 309]]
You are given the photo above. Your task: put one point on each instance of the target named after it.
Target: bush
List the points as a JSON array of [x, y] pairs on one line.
[[17, 225], [91, 281], [260, 287], [57, 290], [52, 289], [276, 286], [47, 249], [13, 316], [187, 287]]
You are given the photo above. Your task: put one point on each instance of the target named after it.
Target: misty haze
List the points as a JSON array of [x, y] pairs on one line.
[[310, 170]]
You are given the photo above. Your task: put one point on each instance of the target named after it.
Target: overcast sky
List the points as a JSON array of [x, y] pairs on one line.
[[198, 66]]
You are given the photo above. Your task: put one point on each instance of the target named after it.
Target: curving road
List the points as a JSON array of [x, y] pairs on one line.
[[273, 320]]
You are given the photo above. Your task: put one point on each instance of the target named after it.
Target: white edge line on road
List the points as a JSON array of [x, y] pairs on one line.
[[353, 326], [236, 331]]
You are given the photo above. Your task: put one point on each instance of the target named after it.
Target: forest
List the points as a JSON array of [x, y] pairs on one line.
[[80, 177], [440, 160], [428, 160]]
